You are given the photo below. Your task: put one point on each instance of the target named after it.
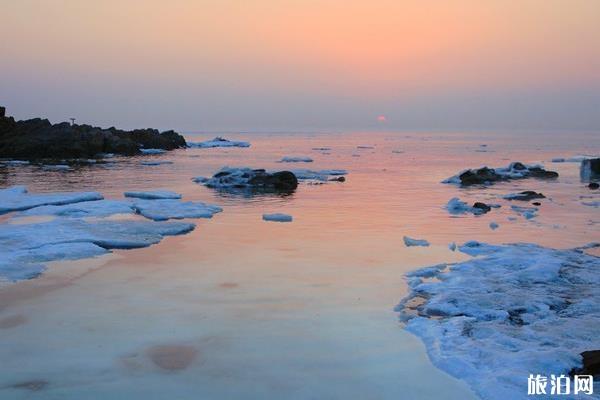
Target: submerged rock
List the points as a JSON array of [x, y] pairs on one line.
[[526, 195], [39, 139], [251, 179], [482, 206], [591, 364], [515, 170]]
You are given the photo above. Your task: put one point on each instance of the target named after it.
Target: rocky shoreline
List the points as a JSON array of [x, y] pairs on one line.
[[39, 139]]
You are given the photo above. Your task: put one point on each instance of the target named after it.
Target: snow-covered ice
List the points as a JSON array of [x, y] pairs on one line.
[[162, 210], [153, 194], [25, 248], [318, 175], [218, 142], [293, 159], [415, 242], [456, 206], [277, 217], [96, 208], [16, 198], [513, 310]]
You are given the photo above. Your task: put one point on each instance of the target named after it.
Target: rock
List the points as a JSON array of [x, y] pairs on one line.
[[251, 179], [590, 169], [39, 139], [536, 203], [594, 185], [482, 207], [2, 112], [526, 195], [338, 179], [515, 170], [591, 364]]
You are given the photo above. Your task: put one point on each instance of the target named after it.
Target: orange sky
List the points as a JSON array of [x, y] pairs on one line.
[[342, 55]]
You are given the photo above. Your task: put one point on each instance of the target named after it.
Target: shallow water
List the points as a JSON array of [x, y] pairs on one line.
[[243, 308]]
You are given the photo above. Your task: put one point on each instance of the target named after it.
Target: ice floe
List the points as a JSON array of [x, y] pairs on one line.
[[16, 198], [277, 217], [164, 209], [153, 194], [318, 175], [494, 225], [56, 167], [96, 208], [485, 175], [218, 142], [526, 212], [292, 159], [512, 311], [415, 242], [152, 151], [157, 162], [26, 248], [456, 206]]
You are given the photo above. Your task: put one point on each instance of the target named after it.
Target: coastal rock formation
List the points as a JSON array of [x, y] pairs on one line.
[[253, 179], [590, 169], [38, 138], [515, 170], [525, 196]]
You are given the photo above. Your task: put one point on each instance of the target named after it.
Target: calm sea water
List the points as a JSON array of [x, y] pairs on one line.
[[242, 308]]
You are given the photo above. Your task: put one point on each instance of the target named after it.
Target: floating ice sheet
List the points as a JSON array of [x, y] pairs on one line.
[[277, 217], [162, 210], [16, 198], [25, 248], [219, 142], [153, 194], [512, 311]]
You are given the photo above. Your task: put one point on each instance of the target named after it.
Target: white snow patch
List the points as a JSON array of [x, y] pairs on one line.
[[512, 311]]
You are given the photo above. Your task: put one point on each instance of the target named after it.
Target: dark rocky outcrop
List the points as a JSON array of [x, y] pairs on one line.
[[515, 170], [482, 208], [526, 195], [590, 169], [39, 139], [338, 179], [591, 364], [594, 185], [253, 180]]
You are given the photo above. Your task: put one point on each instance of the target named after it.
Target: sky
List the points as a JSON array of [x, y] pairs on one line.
[[285, 65]]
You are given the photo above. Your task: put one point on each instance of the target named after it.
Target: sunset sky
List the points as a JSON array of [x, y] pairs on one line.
[[302, 64]]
